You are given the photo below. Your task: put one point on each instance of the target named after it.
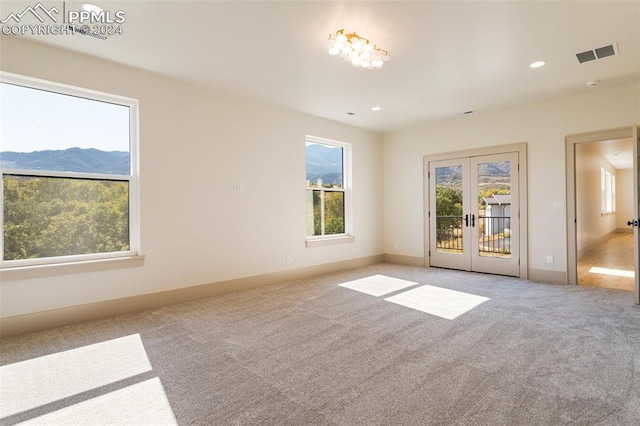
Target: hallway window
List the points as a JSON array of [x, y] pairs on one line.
[[328, 185], [607, 191], [69, 173]]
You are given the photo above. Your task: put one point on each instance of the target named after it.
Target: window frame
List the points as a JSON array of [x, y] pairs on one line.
[[133, 178], [607, 191], [347, 235]]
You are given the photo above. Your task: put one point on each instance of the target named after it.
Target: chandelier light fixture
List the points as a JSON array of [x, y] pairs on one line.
[[357, 50]]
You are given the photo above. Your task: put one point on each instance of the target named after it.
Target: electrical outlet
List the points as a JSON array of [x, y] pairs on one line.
[[549, 259], [242, 187], [288, 259], [236, 186], [396, 246]]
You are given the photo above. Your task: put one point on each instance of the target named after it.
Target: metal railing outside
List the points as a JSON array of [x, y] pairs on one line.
[[494, 235], [449, 233]]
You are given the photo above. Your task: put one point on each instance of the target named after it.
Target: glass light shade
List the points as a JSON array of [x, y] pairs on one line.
[[356, 50]]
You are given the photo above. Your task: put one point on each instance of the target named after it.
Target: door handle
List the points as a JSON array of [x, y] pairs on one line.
[[473, 220], [466, 220], [633, 223]]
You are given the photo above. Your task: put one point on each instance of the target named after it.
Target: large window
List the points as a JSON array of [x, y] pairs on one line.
[[607, 191], [328, 188], [69, 173]]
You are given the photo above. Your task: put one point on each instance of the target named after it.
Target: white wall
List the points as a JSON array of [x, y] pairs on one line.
[[542, 125], [591, 223], [624, 198], [194, 143]]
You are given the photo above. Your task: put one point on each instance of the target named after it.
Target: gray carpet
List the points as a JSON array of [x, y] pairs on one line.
[[314, 352]]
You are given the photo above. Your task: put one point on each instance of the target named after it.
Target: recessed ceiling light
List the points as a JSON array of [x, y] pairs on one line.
[[88, 7], [538, 64], [376, 108]]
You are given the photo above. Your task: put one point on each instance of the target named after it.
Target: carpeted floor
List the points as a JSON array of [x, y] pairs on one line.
[[497, 351]]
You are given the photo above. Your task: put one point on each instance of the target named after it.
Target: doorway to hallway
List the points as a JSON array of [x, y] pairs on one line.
[[603, 200]]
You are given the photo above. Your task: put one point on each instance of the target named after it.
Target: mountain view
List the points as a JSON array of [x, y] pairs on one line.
[[69, 160], [495, 174], [324, 163]]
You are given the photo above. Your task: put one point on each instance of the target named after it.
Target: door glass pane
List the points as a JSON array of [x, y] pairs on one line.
[[494, 209], [449, 218]]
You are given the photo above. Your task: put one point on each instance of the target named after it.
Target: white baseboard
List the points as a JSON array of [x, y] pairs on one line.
[[543, 275], [38, 321], [404, 260]]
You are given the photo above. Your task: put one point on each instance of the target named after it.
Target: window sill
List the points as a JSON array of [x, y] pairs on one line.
[[43, 271], [328, 241]]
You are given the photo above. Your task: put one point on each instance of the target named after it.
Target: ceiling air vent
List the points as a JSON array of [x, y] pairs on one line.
[[599, 53]]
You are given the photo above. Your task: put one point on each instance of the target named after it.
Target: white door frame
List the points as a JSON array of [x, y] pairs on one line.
[[572, 251], [521, 149]]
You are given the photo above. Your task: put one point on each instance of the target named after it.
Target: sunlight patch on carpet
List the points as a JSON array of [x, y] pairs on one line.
[[378, 285], [144, 403], [442, 302], [614, 272], [39, 381]]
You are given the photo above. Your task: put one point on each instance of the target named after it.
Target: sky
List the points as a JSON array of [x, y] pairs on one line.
[[36, 120]]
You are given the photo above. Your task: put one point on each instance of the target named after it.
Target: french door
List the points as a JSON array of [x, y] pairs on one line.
[[474, 214]]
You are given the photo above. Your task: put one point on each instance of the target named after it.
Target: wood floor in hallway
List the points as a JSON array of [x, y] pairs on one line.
[[609, 264]]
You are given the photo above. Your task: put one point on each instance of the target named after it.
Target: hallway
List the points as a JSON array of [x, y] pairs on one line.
[[609, 264]]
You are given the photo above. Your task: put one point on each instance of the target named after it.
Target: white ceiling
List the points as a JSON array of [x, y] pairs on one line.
[[617, 152], [446, 57]]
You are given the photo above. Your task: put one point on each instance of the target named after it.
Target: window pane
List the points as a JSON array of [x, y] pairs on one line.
[[449, 219], [613, 193], [49, 131], [325, 212], [325, 166], [494, 209], [50, 217], [603, 190], [334, 213], [609, 205]]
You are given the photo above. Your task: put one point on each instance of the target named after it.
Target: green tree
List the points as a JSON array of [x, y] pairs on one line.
[[49, 217], [448, 201]]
